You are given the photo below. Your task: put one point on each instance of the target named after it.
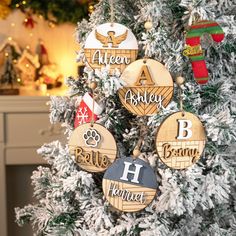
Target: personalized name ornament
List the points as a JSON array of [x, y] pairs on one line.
[[149, 87], [129, 184], [93, 146], [111, 44], [180, 140]]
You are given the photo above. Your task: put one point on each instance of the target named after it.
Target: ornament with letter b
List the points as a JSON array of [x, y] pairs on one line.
[[129, 184], [149, 87], [180, 140], [111, 44]]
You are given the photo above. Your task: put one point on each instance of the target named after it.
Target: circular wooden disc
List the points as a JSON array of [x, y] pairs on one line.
[[149, 87], [180, 140], [111, 44], [129, 195], [94, 147]]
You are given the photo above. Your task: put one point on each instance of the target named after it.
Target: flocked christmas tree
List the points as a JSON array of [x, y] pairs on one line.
[[198, 200]]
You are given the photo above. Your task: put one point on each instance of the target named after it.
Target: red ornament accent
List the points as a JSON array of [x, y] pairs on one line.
[[29, 22], [193, 39], [43, 53], [84, 112]]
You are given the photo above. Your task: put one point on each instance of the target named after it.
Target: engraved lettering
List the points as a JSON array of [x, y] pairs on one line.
[[144, 77], [91, 158], [169, 152], [146, 98], [104, 59], [184, 131], [125, 194]]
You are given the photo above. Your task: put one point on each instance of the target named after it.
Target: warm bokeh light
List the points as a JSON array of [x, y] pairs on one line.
[[66, 65]]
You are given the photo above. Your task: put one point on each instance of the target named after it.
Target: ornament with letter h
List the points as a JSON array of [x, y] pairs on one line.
[[129, 184], [84, 111]]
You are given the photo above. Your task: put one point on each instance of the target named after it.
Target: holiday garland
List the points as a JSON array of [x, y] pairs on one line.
[[57, 11]]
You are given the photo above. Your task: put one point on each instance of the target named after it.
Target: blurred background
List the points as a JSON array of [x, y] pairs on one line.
[[37, 52]]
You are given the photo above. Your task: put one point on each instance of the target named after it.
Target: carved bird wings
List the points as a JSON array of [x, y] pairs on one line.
[[115, 41], [100, 37], [121, 37]]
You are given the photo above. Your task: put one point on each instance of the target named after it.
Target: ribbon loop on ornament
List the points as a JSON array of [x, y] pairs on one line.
[[180, 82], [112, 14]]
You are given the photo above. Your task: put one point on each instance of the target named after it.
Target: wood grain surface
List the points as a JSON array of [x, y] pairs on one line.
[[127, 206], [158, 83], [131, 54], [186, 152], [106, 146]]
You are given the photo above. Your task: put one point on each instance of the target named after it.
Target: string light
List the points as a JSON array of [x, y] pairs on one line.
[[20, 3], [6, 54], [13, 24], [91, 8], [27, 65], [28, 47], [10, 38], [51, 24]]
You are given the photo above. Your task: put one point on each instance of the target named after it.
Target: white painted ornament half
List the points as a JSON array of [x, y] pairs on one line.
[[111, 45]]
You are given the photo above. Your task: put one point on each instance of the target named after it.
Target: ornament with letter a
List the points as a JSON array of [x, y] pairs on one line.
[[93, 147], [149, 87], [111, 44], [129, 184], [180, 140]]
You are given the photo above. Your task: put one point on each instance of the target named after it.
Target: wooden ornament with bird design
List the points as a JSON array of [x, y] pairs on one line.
[[111, 45], [111, 38]]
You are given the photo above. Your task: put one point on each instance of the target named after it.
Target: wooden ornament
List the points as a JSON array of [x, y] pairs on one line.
[[93, 85], [148, 25], [136, 153], [180, 140], [149, 87], [111, 44], [129, 184], [180, 80], [93, 146]]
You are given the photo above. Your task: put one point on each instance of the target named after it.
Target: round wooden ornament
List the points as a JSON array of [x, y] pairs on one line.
[[93, 146], [149, 87], [180, 140], [111, 44], [129, 184]]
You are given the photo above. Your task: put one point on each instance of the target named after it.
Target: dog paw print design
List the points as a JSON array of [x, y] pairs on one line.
[[92, 138], [93, 147]]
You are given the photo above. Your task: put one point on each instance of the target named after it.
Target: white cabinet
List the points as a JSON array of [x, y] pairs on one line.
[[24, 127]]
